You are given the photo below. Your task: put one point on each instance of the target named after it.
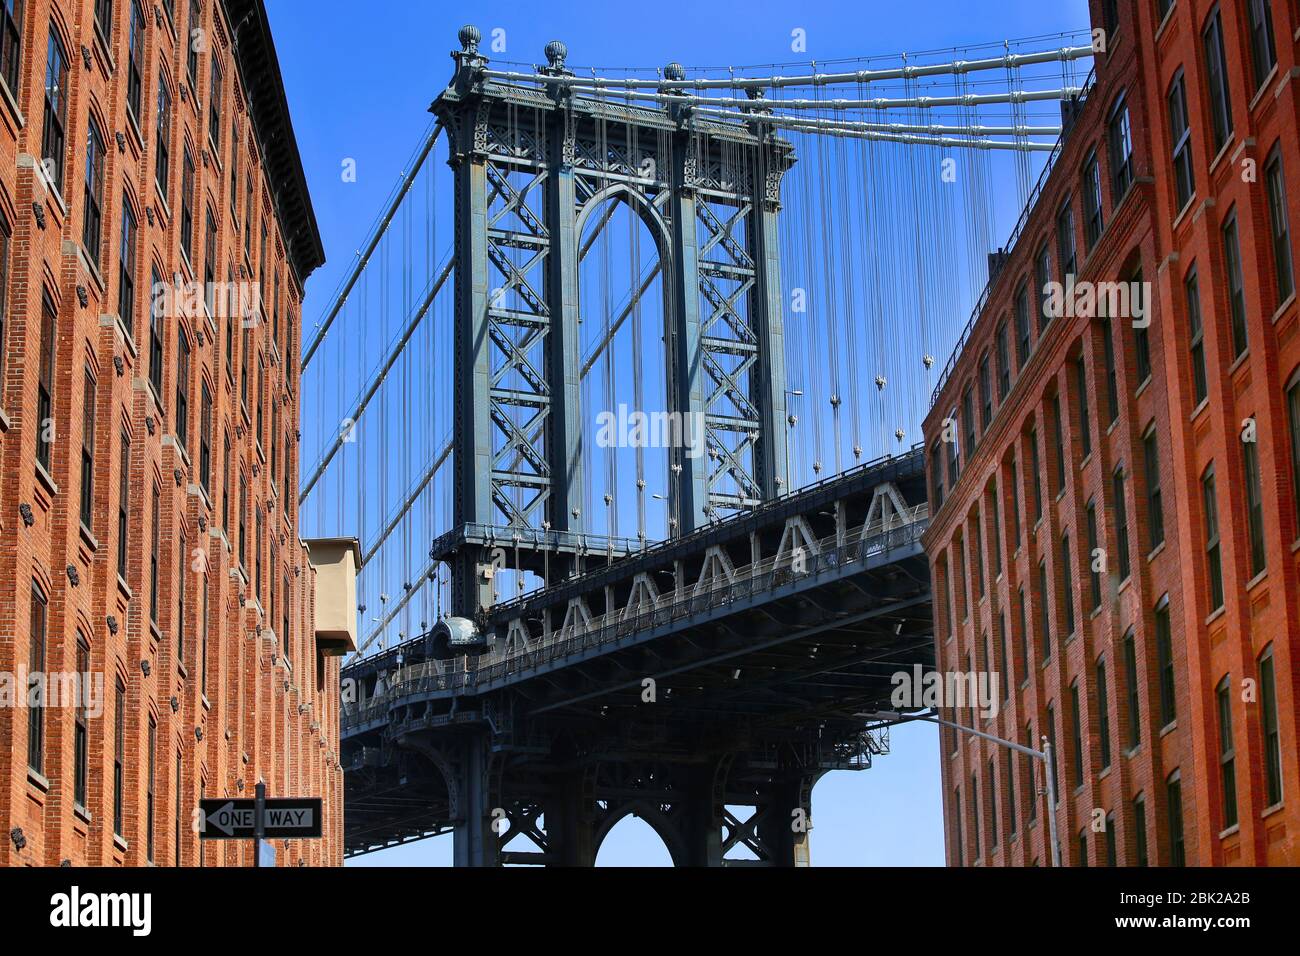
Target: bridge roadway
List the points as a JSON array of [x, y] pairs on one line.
[[703, 684]]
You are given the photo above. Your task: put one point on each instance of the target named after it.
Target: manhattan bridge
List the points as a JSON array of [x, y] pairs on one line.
[[620, 397]]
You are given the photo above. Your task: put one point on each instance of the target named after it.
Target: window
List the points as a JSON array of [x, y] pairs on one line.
[[1293, 419], [1093, 223], [194, 37], [968, 420], [234, 169], [1213, 558], [1140, 830], [1023, 614], [123, 501], [1103, 713], [936, 476], [1076, 734], [979, 550], [1011, 792], [1051, 738], [258, 417], [5, 238], [1121, 521], [1004, 363], [1280, 227], [990, 786], [1067, 583], [975, 813], [56, 109], [1094, 574], [225, 480], [157, 347], [257, 552], [1263, 56], [1227, 752], [1134, 714], [1003, 657], [1065, 243], [154, 537], [214, 105], [245, 346], [1141, 340], [1013, 473], [177, 810], [995, 524], [151, 780], [1180, 134], [119, 754], [961, 839], [1085, 413], [187, 205], [203, 641], [205, 437], [1044, 615], [1272, 739], [248, 215], [92, 207], [1165, 661], [1120, 141], [11, 38], [1058, 442], [45, 385], [182, 566], [1043, 277], [1032, 744], [38, 620], [88, 451], [1200, 384], [243, 522], [1038, 478], [1155, 505], [80, 730], [104, 17], [1174, 803], [134, 62], [1236, 289], [162, 140], [210, 261], [182, 388], [1216, 81], [1022, 326], [126, 284], [1112, 854], [1083, 847], [1112, 380], [1254, 508]]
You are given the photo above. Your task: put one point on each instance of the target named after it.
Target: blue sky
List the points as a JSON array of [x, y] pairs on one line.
[[360, 79]]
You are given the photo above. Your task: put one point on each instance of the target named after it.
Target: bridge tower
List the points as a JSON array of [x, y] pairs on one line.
[[534, 166]]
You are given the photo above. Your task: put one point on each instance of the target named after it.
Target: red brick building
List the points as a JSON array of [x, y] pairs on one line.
[[149, 548], [1115, 526]]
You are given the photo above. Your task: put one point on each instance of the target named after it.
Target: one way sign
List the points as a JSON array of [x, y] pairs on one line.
[[286, 818]]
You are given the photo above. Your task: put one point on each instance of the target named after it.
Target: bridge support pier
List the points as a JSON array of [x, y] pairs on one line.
[[783, 828], [474, 842]]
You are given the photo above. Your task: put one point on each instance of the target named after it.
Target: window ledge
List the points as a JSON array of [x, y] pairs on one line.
[[1239, 361], [46, 479], [1221, 610], [1169, 728], [1143, 387], [1223, 151], [5, 425], [1253, 582], [91, 541], [119, 841], [1290, 301], [1155, 552], [1196, 412], [1223, 834], [81, 813], [12, 105], [38, 780], [1263, 88], [124, 587]]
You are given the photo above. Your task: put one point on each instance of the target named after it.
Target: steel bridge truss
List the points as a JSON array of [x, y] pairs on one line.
[[535, 173]]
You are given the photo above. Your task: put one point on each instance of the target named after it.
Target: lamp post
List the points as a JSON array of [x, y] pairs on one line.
[[1044, 755]]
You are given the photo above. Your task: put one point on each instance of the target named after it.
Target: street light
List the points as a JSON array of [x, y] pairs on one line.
[[1044, 755]]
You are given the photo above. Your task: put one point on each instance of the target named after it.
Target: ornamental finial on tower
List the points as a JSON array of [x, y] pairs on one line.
[[556, 52], [674, 71], [469, 37]]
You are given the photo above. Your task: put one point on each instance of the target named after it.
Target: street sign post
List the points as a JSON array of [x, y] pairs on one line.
[[281, 818]]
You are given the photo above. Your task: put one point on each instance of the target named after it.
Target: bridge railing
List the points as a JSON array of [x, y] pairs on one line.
[[464, 674]]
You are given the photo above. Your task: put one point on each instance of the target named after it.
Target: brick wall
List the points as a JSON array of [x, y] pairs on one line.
[[220, 686], [1165, 588]]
